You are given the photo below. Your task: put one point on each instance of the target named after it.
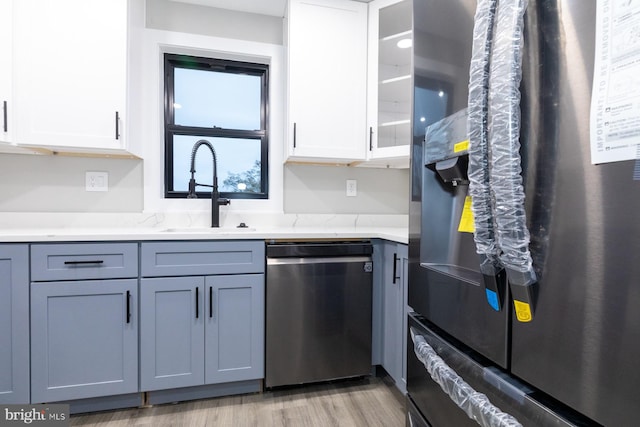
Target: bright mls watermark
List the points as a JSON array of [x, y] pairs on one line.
[[37, 415]]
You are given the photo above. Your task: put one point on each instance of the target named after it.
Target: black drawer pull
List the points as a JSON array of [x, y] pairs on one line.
[[210, 301], [90, 261], [117, 125], [395, 268], [197, 304], [4, 114], [128, 306]]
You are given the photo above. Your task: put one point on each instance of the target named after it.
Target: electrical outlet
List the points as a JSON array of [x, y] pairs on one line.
[[352, 188], [97, 181]]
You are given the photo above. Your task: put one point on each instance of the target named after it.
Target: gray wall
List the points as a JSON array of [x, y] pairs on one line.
[[208, 21], [57, 184], [322, 189]]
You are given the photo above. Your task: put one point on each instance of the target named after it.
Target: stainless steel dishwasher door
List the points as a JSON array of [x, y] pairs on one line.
[[318, 319]]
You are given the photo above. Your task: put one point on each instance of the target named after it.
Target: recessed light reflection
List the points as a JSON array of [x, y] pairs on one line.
[[422, 119], [441, 94], [404, 43], [176, 105]]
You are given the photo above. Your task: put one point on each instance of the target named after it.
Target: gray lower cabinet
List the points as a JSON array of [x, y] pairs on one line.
[[234, 334], [14, 324], [171, 332], [394, 297], [201, 330], [206, 328], [84, 321], [84, 339]]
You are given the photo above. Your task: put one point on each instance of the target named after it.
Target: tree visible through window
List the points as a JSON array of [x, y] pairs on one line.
[[225, 103]]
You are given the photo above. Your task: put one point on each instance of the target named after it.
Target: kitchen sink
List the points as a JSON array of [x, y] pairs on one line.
[[210, 230]]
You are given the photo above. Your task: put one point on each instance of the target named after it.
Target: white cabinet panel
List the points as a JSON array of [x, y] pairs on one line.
[[6, 49], [70, 73], [327, 81]]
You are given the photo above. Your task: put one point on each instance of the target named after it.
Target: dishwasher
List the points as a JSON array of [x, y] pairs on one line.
[[318, 311]]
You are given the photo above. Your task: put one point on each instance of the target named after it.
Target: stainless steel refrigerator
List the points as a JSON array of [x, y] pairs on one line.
[[572, 357]]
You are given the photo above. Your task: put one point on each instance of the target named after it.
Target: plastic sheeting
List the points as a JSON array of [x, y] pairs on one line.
[[476, 405], [477, 126], [504, 133]]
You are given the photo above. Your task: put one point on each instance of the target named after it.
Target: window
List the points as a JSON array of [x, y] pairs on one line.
[[225, 103]]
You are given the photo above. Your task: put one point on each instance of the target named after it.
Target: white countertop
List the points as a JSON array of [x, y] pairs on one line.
[[143, 227], [396, 234]]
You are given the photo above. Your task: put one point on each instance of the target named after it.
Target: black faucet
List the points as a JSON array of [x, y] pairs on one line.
[[216, 200]]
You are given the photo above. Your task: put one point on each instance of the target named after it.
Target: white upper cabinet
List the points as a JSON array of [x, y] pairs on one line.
[[70, 75], [327, 59], [389, 83], [6, 49]]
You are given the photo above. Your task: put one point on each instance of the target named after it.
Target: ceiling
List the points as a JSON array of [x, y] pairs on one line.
[[263, 7]]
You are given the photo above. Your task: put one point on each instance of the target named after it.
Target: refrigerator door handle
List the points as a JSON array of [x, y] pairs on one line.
[[476, 405], [505, 162], [478, 170]]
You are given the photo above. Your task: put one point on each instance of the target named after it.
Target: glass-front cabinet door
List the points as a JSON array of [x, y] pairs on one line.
[[389, 105]]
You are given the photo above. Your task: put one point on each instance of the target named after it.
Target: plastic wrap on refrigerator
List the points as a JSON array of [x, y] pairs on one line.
[[476, 405], [479, 183], [504, 134]]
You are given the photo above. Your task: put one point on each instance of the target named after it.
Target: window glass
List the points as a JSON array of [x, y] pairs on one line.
[[238, 162], [220, 99], [225, 103]]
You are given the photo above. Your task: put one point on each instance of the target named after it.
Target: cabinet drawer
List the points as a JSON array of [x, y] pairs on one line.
[[201, 258], [79, 261]]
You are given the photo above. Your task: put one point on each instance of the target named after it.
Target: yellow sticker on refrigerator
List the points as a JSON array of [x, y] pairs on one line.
[[466, 224], [523, 311], [461, 146]]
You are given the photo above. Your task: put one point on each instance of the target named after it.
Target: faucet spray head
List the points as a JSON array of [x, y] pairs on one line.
[[192, 188]]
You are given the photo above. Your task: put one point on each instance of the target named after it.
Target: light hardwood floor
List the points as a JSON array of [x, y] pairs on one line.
[[365, 402]]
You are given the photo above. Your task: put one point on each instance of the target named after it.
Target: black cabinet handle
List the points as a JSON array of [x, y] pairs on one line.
[[197, 304], [4, 114], [210, 301], [294, 135], [370, 138], [128, 306], [395, 268], [81, 262], [117, 125]]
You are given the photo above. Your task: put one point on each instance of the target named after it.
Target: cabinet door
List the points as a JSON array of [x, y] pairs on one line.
[[70, 72], [403, 255], [235, 328], [84, 339], [389, 82], [6, 47], [392, 296], [14, 324], [327, 80], [171, 332]]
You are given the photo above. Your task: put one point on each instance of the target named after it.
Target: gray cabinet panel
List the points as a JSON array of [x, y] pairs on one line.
[[84, 339], [235, 328], [201, 258], [171, 332], [14, 324], [79, 261], [394, 294]]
